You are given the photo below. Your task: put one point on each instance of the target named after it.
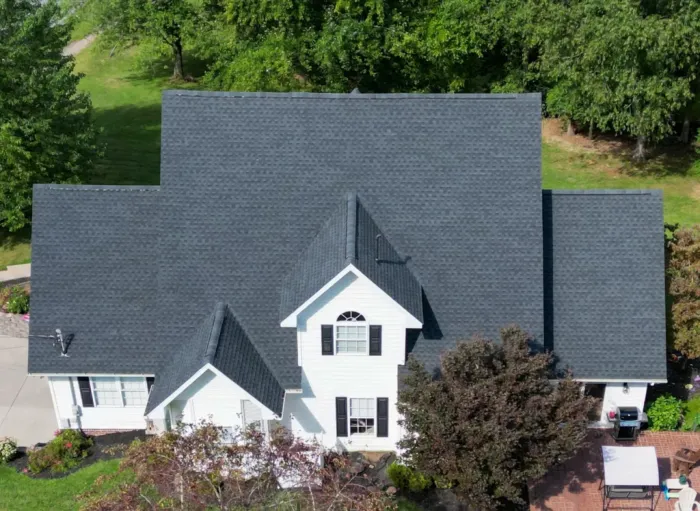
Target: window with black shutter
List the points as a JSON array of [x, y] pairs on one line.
[[375, 340], [326, 339], [149, 383], [382, 416], [341, 416], [85, 392]]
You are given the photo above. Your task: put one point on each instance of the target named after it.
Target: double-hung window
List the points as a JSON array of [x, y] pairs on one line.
[[119, 391], [362, 416], [351, 333]]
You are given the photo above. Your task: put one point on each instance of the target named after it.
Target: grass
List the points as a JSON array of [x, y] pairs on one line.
[[678, 178], [20, 492], [14, 248]]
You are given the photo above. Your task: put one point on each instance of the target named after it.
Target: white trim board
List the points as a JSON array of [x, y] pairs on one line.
[[291, 320]]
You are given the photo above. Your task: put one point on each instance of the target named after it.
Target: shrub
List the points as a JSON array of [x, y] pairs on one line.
[[665, 413], [17, 301], [407, 478], [691, 417], [8, 449], [62, 453]]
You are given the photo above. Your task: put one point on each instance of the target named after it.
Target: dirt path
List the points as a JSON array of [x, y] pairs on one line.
[[77, 46]]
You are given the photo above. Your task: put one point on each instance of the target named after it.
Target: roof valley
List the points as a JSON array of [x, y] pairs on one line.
[[213, 342]]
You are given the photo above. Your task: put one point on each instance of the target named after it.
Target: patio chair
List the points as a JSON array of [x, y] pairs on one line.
[[686, 500], [685, 459]]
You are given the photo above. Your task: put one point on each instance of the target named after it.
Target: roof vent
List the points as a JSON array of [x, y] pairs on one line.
[[356, 91]]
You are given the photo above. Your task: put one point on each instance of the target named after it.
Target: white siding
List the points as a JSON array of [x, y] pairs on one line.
[[215, 397], [98, 417], [615, 396], [312, 413]]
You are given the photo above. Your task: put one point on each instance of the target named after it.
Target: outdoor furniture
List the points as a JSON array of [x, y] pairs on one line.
[[629, 473], [684, 460], [686, 500], [673, 487]]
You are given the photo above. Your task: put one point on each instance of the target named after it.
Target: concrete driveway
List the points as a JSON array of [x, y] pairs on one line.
[[26, 410]]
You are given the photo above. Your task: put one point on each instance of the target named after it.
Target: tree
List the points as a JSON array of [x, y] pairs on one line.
[[192, 468], [492, 421], [163, 25], [622, 65], [46, 129], [683, 282]]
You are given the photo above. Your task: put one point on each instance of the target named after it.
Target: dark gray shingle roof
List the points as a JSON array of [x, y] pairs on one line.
[[222, 342], [250, 182], [604, 282], [350, 236], [94, 266]]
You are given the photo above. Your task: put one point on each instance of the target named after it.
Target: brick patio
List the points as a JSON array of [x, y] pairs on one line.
[[575, 486]]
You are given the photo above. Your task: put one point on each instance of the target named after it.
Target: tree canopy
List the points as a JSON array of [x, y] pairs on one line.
[[683, 282], [624, 66], [46, 129], [492, 421]]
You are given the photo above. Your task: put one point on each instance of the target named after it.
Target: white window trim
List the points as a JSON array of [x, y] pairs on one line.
[[120, 390], [374, 418], [337, 323]]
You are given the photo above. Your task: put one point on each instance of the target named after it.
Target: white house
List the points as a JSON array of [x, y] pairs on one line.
[[301, 247]]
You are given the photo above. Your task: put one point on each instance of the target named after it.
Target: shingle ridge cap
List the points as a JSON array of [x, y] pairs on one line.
[[97, 188], [351, 229], [215, 333]]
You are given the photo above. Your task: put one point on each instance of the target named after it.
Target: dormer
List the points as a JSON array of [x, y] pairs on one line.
[[350, 246]]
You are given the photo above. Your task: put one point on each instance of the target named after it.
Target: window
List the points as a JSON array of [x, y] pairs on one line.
[[362, 416], [119, 391], [351, 333], [133, 391]]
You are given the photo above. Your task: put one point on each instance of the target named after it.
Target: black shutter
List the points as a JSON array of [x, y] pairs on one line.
[[326, 339], [341, 416], [382, 416], [375, 339], [85, 392], [149, 383]]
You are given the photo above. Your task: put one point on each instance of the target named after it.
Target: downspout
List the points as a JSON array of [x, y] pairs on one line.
[[75, 404]]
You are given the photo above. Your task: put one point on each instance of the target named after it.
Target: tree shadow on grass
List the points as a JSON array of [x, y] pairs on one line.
[[131, 139]]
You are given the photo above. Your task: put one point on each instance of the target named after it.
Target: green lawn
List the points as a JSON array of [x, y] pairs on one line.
[[678, 178], [14, 248], [19, 492]]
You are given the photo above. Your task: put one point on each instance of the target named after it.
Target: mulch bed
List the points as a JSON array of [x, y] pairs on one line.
[[105, 447]]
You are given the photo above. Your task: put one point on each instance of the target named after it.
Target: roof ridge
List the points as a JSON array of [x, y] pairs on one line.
[[351, 229], [215, 334]]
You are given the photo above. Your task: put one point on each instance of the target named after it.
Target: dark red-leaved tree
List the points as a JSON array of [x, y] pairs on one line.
[[492, 421], [191, 468]]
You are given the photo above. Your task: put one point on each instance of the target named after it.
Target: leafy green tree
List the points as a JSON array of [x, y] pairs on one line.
[[162, 25], [46, 129], [492, 421], [619, 64], [683, 283]]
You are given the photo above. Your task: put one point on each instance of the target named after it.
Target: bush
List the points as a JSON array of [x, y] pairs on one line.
[[407, 478], [692, 414], [62, 453], [15, 300], [8, 449], [665, 413]]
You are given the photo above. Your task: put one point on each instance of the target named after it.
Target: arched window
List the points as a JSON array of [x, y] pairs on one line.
[[351, 316], [351, 333]]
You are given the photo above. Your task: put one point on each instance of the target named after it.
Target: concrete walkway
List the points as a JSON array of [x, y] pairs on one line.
[[16, 272], [77, 46], [26, 409]]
